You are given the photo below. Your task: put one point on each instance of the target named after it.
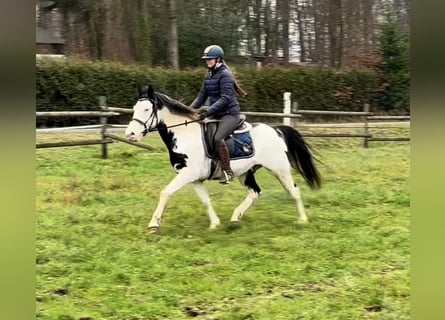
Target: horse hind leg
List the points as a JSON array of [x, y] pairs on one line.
[[285, 178], [253, 192], [204, 196]]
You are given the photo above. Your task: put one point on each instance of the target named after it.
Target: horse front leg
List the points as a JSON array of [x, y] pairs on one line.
[[177, 183], [204, 196]]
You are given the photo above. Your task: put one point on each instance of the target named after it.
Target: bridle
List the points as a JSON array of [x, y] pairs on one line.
[[154, 118]]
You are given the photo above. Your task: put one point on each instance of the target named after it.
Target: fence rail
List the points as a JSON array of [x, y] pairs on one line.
[[408, 118], [71, 143], [334, 113], [76, 114], [107, 137], [141, 145]]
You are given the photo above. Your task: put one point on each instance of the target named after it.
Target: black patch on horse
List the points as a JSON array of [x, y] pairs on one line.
[[177, 160], [250, 182]]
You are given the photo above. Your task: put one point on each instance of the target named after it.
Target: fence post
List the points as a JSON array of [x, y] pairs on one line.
[[286, 107], [103, 122], [366, 109]]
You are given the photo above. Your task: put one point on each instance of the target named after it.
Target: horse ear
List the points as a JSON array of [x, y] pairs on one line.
[[147, 92], [151, 92]]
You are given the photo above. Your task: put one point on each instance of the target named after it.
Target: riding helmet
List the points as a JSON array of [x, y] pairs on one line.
[[212, 52]]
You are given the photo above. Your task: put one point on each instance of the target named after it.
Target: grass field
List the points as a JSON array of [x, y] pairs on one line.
[[95, 259]]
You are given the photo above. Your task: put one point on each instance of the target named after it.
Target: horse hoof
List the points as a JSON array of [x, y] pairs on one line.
[[153, 229], [300, 221], [234, 225], [213, 226]]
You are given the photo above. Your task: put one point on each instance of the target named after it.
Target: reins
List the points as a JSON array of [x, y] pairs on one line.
[[185, 123]]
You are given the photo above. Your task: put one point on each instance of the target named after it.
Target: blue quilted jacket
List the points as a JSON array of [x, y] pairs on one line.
[[218, 85]]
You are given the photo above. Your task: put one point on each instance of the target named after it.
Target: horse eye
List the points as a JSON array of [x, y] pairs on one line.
[[146, 110]]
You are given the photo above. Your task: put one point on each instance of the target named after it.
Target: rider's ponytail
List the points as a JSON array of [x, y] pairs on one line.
[[240, 91]]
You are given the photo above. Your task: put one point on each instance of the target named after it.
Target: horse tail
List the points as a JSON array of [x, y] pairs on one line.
[[299, 155]]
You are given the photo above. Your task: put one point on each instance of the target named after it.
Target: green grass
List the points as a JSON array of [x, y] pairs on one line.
[[95, 259]]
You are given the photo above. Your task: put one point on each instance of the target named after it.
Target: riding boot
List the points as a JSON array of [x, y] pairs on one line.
[[224, 157]]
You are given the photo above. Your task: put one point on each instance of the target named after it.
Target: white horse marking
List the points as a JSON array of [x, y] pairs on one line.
[[239, 212], [204, 196]]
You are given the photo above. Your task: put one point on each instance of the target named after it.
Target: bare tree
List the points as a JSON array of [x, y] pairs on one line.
[[283, 9], [259, 12], [367, 25], [173, 35], [319, 12], [304, 33], [338, 33], [335, 27]]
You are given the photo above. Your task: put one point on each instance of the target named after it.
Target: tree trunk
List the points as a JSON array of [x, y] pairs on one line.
[[335, 28], [258, 27], [319, 52], [173, 35], [368, 28], [271, 32], [109, 31], [284, 12], [301, 33]]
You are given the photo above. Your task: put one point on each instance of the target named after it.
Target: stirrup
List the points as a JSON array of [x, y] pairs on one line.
[[227, 176]]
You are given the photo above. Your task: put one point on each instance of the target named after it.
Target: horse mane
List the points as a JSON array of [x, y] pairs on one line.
[[176, 106]]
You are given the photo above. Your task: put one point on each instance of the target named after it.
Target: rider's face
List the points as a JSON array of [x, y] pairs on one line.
[[210, 62]]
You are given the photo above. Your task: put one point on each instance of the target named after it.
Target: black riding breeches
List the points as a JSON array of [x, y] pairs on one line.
[[227, 124]]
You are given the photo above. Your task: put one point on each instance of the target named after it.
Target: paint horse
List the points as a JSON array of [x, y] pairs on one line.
[[276, 148]]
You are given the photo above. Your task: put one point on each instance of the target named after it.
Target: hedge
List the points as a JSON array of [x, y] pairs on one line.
[[76, 84]]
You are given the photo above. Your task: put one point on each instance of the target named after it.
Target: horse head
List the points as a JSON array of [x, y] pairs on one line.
[[145, 115]]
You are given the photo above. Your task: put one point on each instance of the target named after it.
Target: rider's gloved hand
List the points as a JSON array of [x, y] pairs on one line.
[[202, 116]]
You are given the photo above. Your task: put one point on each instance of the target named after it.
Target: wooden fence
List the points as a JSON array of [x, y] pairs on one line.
[[107, 137]]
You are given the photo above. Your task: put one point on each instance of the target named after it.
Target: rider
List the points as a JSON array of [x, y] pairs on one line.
[[220, 86]]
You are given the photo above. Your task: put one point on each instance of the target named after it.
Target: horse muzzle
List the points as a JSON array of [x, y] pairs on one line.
[[134, 137]]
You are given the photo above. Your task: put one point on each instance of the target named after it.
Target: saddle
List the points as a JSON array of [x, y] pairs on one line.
[[239, 142]]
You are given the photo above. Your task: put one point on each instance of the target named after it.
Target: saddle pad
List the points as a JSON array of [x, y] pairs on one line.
[[240, 145]]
